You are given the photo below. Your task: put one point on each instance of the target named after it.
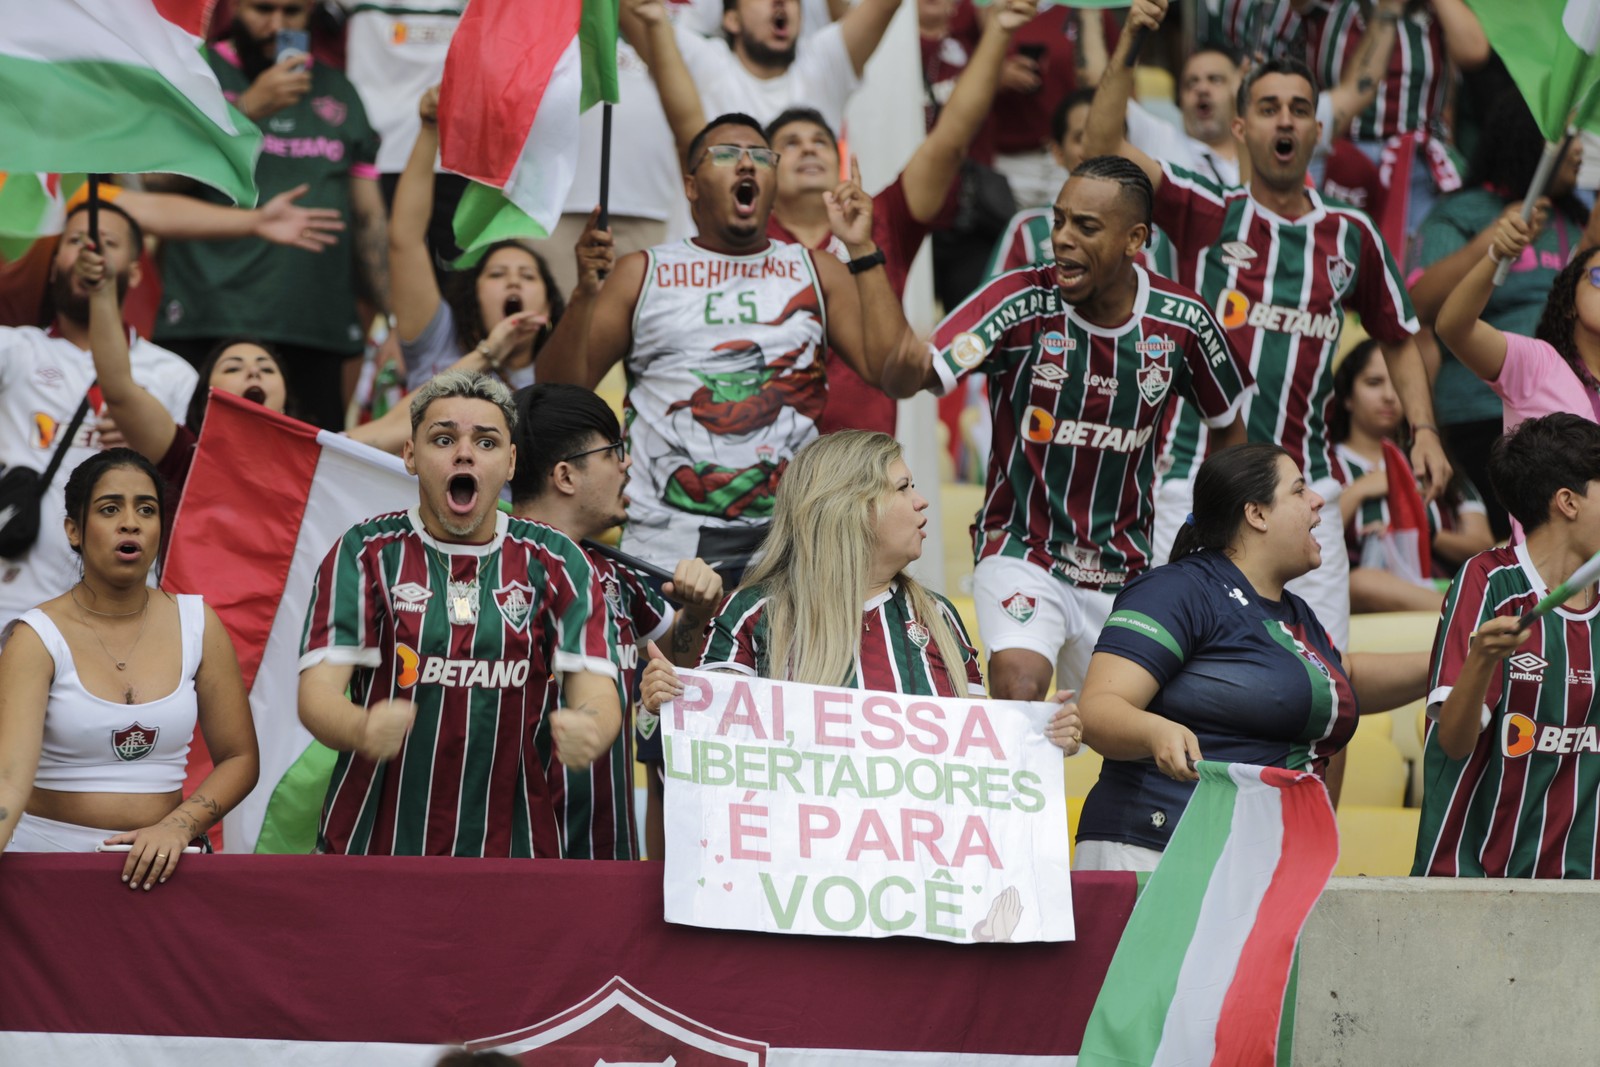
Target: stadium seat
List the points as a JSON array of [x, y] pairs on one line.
[[1397, 631], [958, 506], [1082, 772], [1376, 841], [1375, 774]]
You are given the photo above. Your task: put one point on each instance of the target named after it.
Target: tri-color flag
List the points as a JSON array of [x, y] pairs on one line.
[[1200, 973], [517, 77], [1548, 47], [119, 86], [266, 499]]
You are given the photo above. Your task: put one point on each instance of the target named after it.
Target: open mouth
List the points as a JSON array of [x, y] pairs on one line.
[[744, 197], [1283, 149], [255, 394], [1070, 273], [780, 24], [512, 305], [128, 551], [1203, 109], [461, 494]]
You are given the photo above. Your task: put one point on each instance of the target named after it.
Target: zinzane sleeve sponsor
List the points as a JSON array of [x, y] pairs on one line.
[[1380, 296], [1219, 377], [346, 613], [1465, 607], [732, 644], [1155, 622], [575, 608], [969, 335]]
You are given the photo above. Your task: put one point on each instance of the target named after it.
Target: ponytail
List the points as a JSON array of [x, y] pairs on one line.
[[1230, 479]]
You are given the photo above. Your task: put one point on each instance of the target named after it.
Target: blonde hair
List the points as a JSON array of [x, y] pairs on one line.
[[817, 557]]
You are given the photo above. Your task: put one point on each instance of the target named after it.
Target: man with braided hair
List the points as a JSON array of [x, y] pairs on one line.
[[1084, 355]]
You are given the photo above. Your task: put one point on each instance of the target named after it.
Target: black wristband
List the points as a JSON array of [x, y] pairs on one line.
[[875, 258]]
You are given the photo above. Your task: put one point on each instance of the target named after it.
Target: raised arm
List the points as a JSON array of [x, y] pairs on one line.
[[863, 27], [25, 672], [658, 46], [1460, 325], [371, 243], [145, 423], [1108, 115], [587, 344], [927, 177], [280, 220], [1464, 40], [1440, 279], [412, 283], [1364, 72]]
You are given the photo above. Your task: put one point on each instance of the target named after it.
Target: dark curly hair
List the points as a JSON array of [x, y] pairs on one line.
[[461, 293], [1558, 324]]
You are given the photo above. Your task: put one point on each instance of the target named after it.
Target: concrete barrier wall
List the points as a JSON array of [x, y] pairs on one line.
[[1403, 972]]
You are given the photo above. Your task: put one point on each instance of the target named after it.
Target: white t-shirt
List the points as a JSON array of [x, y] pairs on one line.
[[705, 16], [821, 77], [1166, 143], [42, 381], [645, 174], [393, 53]]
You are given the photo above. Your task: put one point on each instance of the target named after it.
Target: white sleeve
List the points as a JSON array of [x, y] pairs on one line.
[[824, 77], [1150, 135], [1324, 116]]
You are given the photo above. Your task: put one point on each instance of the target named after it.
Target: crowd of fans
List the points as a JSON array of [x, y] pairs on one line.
[[1163, 300]]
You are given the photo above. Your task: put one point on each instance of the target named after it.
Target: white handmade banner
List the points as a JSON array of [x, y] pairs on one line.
[[799, 809]]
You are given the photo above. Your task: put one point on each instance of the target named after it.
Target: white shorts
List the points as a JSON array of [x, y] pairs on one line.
[[1113, 856], [34, 834], [1326, 589], [1021, 605]]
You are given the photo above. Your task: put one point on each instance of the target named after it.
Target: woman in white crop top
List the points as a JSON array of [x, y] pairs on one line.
[[101, 688]]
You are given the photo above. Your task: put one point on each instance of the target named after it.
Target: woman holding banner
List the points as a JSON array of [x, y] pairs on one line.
[[1210, 657], [829, 601], [101, 689]]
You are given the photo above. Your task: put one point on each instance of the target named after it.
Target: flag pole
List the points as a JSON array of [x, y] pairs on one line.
[[1553, 151], [94, 211], [605, 166]]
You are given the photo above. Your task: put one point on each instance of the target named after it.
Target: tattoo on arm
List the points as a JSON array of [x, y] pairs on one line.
[[5, 813], [683, 634], [372, 257]]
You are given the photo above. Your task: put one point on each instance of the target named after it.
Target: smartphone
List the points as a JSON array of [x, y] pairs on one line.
[[1033, 51], [294, 44], [129, 848]]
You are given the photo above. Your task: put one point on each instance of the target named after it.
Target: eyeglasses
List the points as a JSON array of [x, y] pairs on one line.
[[292, 11], [617, 448], [728, 155]]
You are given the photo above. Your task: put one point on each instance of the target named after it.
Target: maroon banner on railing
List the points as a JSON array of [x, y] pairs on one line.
[[238, 955]]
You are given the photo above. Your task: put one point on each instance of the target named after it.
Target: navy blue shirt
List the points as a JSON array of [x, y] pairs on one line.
[[1258, 681]]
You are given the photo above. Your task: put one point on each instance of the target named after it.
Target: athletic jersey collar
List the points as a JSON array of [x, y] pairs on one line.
[[502, 522], [771, 247], [1541, 590], [882, 598], [1141, 300], [1310, 218]]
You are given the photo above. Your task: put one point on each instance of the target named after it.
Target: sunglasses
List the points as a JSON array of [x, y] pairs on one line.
[[617, 448], [727, 155]]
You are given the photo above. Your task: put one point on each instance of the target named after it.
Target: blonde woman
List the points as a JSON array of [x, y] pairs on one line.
[[829, 601]]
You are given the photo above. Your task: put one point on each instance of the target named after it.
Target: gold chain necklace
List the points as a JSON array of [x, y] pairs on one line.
[[122, 664]]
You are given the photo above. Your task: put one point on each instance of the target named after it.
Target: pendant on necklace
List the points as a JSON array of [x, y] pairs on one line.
[[122, 665]]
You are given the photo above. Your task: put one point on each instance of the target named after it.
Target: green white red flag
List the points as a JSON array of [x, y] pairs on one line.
[[1200, 973], [118, 86], [1549, 47], [517, 77]]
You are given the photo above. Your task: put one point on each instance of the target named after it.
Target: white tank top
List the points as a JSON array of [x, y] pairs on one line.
[[94, 745], [725, 383]]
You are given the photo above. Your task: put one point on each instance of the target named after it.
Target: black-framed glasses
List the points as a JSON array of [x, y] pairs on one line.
[[617, 448], [728, 155]]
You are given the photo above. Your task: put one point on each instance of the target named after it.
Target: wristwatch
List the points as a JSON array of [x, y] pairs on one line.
[[875, 258]]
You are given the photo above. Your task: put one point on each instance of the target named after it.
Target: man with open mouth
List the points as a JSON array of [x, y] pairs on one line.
[[1084, 356], [723, 338], [472, 644], [1280, 267]]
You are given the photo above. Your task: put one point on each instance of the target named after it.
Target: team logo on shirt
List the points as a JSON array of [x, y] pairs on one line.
[[410, 597], [1235, 310], [613, 593], [44, 430], [646, 721], [918, 634], [1520, 735], [1020, 606], [1340, 272], [330, 110], [1526, 667], [1154, 381], [134, 741], [414, 669], [968, 350], [1237, 254], [516, 602], [1050, 375]]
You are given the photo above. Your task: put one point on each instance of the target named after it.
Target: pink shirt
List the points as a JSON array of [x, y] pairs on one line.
[[1536, 381]]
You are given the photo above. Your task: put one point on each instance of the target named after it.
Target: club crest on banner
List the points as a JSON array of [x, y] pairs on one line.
[[516, 602], [134, 741], [618, 1026]]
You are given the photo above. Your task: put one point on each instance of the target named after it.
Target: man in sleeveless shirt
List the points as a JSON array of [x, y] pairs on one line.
[[724, 338]]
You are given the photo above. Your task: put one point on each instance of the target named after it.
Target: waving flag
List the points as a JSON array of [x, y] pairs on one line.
[[516, 79], [266, 498], [118, 86], [1549, 48], [1200, 973]]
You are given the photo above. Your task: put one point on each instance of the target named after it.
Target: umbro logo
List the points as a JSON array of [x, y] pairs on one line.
[[411, 597], [1527, 667], [1237, 254], [1049, 375]]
